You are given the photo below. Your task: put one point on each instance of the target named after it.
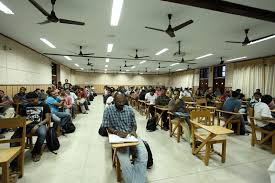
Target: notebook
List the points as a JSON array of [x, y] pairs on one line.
[[113, 139]]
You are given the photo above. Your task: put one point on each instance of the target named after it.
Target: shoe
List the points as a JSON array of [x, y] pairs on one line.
[[165, 128], [85, 112], [36, 157]]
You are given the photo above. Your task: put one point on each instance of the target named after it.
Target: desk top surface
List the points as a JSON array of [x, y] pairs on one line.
[[217, 130]]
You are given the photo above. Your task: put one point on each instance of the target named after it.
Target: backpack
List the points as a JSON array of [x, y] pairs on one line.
[[52, 140], [150, 157], [68, 128], [151, 124], [102, 131]]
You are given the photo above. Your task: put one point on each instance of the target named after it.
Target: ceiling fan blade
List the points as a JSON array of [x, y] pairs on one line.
[[191, 63], [144, 57], [155, 29], [131, 56], [42, 10], [57, 54], [261, 38], [64, 21], [239, 42], [88, 54], [45, 22], [189, 60], [170, 33], [183, 25]]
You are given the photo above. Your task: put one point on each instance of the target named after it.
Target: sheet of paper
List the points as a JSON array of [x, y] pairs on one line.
[[116, 139]]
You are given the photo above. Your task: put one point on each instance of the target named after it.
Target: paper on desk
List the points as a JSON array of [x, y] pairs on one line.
[[116, 139]]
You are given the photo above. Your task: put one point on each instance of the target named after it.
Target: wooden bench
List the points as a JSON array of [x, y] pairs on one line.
[[213, 135], [175, 125], [162, 109], [8, 154]]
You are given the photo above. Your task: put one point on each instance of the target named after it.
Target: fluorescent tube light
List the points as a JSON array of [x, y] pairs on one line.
[[141, 73], [107, 60], [207, 55], [174, 64], [82, 69], [142, 62], [133, 67], [106, 70], [234, 59], [116, 11], [68, 58], [261, 40], [76, 65], [122, 72], [179, 69], [106, 65], [47, 42], [127, 70], [157, 69], [162, 51], [110, 48], [5, 9]]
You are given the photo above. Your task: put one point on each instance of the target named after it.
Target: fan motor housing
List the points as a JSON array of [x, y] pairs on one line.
[[181, 54]]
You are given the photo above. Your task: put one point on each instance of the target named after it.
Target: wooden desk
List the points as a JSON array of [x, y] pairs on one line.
[[163, 109], [212, 110], [147, 106]]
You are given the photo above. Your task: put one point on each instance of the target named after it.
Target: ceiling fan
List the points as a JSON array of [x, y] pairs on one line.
[[179, 53], [170, 30], [182, 61], [136, 56], [125, 65], [159, 67], [89, 63], [80, 54], [51, 17], [246, 40]]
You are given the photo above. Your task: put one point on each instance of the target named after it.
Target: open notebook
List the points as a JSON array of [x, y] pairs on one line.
[[116, 139]]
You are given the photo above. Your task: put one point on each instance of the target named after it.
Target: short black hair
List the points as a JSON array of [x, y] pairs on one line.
[[2, 91], [31, 95], [153, 90], [235, 94], [257, 93], [266, 99]]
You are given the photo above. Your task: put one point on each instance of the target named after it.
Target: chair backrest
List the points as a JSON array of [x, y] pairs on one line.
[[201, 116], [187, 99], [201, 101], [219, 105], [14, 123]]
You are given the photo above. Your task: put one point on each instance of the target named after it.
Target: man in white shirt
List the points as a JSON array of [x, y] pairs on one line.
[[186, 93], [262, 113], [151, 98]]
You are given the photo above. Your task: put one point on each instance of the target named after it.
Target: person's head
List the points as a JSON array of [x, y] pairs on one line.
[[32, 98], [227, 93], [119, 100], [66, 81], [257, 96], [37, 90], [242, 96], [258, 90], [238, 91], [2, 93], [176, 94], [53, 94], [53, 87], [62, 92], [266, 99], [152, 91], [235, 94], [42, 91], [68, 92], [163, 91], [22, 90]]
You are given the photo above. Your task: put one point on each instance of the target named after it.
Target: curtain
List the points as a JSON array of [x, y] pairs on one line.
[[269, 79]]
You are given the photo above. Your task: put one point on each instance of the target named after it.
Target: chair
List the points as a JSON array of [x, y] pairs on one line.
[[201, 116], [8, 154], [265, 135], [213, 135], [187, 99], [201, 101], [175, 125], [233, 119]]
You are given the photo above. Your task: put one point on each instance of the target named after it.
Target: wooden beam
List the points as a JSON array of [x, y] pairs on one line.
[[231, 8]]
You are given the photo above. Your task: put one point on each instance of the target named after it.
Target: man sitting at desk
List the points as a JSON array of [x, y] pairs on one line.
[[177, 106], [119, 119], [262, 112], [163, 101]]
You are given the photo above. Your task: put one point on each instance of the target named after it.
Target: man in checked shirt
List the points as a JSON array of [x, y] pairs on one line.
[[119, 119]]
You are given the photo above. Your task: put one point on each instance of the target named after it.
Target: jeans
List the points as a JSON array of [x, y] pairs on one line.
[[73, 110], [62, 118], [68, 111], [136, 172]]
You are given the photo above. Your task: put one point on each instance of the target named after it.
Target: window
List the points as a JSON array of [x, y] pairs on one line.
[[219, 71], [204, 73]]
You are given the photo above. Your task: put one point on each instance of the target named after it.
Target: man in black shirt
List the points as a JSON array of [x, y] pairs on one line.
[[40, 114]]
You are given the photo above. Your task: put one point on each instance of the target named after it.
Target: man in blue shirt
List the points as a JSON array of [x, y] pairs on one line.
[[119, 119], [60, 117], [233, 104]]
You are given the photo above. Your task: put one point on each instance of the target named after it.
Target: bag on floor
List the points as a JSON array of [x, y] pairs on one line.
[[150, 157], [68, 128], [52, 140], [151, 124], [102, 131]]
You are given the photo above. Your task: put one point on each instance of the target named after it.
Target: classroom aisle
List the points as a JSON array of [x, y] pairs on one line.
[[85, 157]]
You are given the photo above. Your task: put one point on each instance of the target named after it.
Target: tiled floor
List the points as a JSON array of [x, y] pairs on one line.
[[85, 157]]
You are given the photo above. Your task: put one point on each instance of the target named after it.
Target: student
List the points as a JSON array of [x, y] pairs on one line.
[[110, 99], [225, 96], [4, 99], [177, 105], [262, 112], [119, 119], [163, 101], [233, 104], [151, 98], [68, 103], [67, 85], [74, 98], [186, 93], [142, 94], [218, 92], [210, 97], [40, 114], [21, 96], [256, 98]]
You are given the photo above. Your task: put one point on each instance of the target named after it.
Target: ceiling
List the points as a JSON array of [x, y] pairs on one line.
[[206, 35]]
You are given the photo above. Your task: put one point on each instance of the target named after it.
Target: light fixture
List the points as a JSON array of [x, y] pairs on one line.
[[207, 55], [106, 65], [122, 72], [263, 39], [76, 65], [142, 62], [174, 64], [47, 42], [179, 69], [107, 60], [68, 58], [127, 70], [110, 48], [82, 69], [116, 11], [234, 59], [141, 73], [162, 51], [5, 9], [133, 67], [157, 69], [106, 70]]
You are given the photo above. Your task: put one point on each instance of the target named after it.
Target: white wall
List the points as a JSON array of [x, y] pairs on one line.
[[65, 73]]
